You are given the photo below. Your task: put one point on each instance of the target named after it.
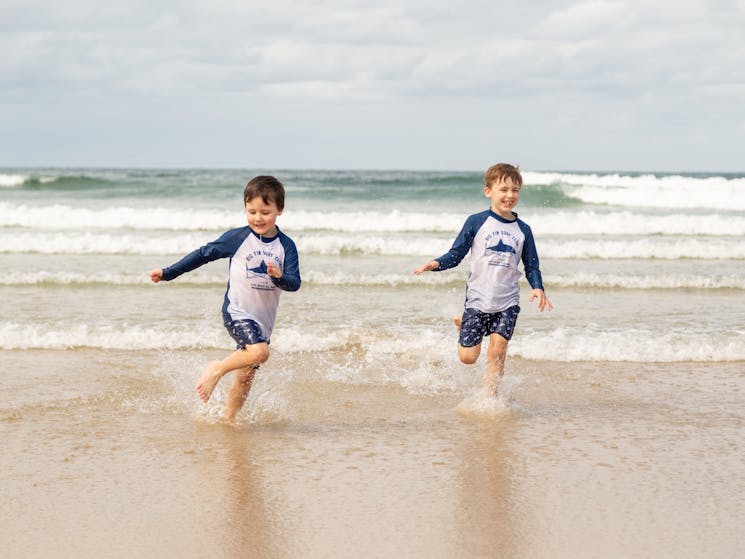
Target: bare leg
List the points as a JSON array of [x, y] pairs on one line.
[[240, 359], [495, 356], [467, 355], [494, 359], [238, 392]]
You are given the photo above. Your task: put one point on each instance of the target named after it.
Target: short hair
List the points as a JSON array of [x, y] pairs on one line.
[[268, 188], [502, 171]]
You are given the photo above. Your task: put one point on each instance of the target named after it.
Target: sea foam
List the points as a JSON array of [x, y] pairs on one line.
[[391, 279], [543, 221], [414, 353], [630, 345], [648, 191], [180, 243], [12, 180]]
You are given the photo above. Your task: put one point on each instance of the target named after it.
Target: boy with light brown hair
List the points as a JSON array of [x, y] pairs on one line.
[[498, 240]]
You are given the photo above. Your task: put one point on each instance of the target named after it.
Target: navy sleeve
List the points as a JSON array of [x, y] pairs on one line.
[[290, 280], [530, 258], [462, 243], [224, 247]]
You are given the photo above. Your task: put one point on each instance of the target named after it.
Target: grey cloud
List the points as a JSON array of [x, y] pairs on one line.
[[588, 65]]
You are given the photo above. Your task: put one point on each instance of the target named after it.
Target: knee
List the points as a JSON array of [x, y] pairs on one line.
[[262, 355], [468, 355], [468, 359], [259, 353]]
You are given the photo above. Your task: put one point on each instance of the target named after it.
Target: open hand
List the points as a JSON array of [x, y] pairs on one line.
[[543, 302], [428, 267]]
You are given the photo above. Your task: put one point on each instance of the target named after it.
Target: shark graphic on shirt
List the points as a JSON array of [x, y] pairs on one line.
[[260, 269], [502, 247]]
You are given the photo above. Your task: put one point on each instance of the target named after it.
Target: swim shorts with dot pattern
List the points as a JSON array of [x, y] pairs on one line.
[[476, 324], [245, 332]]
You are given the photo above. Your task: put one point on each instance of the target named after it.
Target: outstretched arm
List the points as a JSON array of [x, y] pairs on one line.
[[460, 248]]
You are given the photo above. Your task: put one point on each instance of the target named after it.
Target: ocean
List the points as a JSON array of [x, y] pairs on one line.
[[621, 423]]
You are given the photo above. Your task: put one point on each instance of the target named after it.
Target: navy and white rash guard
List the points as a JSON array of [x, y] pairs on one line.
[[497, 245], [251, 292]]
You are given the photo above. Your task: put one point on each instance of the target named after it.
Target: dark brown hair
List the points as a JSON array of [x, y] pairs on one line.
[[268, 188]]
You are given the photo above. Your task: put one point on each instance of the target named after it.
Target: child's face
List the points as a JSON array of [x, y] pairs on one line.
[[504, 195], [262, 217]]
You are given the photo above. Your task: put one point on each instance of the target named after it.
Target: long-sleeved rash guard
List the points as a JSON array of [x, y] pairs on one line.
[[251, 292], [497, 245]]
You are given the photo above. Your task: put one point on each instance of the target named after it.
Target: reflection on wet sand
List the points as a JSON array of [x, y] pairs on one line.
[[488, 514], [232, 487]]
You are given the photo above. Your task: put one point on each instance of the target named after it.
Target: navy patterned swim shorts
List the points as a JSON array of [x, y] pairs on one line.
[[476, 324], [245, 332]]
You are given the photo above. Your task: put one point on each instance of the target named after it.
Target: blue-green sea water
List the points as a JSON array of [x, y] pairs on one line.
[[634, 240]]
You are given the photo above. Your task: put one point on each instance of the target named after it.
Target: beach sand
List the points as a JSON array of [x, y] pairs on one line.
[[586, 460]]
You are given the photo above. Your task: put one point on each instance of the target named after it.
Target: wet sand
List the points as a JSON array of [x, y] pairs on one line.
[[110, 454]]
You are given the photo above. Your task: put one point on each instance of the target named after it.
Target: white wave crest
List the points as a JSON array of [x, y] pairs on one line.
[[669, 346], [664, 248], [652, 247], [45, 277], [645, 281], [544, 222], [648, 191], [35, 336], [11, 180], [75, 242], [393, 279], [417, 354], [64, 217], [634, 223], [374, 221]]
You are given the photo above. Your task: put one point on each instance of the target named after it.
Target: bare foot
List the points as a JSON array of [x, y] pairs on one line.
[[208, 380], [491, 390], [457, 322], [492, 386], [479, 407], [229, 423]]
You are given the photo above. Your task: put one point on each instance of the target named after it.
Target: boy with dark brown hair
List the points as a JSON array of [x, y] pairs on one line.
[[263, 263]]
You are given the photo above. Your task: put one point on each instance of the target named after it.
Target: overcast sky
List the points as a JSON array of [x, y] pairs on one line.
[[378, 84]]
